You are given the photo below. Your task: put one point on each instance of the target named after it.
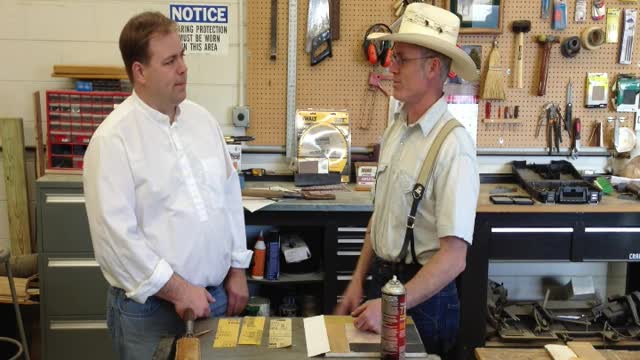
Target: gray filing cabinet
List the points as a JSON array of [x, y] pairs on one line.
[[73, 290]]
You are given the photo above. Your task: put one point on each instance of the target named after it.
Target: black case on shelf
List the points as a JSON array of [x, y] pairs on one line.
[[557, 182]]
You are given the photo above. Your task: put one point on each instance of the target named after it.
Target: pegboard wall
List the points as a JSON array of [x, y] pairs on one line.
[[341, 82]]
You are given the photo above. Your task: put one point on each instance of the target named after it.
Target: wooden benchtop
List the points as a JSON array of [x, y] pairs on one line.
[[541, 354], [609, 203]]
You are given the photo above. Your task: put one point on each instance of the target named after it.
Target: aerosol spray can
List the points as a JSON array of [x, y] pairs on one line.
[[394, 315]]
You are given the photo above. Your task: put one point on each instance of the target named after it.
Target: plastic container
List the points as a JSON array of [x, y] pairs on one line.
[[259, 253]]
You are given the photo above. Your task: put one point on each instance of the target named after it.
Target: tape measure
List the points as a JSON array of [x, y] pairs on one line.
[[291, 80]]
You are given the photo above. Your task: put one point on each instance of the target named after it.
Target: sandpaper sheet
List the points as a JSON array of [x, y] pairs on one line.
[[227, 334]]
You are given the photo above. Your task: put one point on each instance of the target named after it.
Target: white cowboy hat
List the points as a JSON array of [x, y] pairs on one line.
[[436, 29]]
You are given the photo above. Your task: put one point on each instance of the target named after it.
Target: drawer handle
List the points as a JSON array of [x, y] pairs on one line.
[[65, 199], [352, 229], [348, 253], [533, 230], [69, 263], [350, 241], [612, 229], [349, 277], [78, 325]]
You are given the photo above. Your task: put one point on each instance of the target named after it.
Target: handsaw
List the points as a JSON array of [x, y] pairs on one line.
[[188, 347], [318, 43]]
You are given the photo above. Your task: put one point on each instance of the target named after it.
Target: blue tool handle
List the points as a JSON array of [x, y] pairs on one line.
[[545, 9]]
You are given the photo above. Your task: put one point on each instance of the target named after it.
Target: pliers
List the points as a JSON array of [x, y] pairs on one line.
[[553, 135]]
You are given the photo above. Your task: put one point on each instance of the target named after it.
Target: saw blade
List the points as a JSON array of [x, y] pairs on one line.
[[324, 141]]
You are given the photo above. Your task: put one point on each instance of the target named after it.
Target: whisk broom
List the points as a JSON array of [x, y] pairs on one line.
[[493, 88]]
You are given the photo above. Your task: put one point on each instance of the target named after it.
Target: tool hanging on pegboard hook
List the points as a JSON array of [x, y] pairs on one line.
[[400, 5], [291, 80]]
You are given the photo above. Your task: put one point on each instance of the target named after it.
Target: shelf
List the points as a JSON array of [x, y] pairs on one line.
[[291, 278], [501, 121]]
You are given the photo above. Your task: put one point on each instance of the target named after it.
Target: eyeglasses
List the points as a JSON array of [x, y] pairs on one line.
[[401, 61]]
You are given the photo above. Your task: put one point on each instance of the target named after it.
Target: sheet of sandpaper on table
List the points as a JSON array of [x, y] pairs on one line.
[[297, 351], [337, 334]]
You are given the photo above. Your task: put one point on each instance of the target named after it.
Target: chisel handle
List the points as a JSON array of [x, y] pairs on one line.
[[544, 69]]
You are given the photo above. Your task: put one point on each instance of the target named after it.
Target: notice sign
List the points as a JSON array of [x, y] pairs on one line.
[[203, 28]]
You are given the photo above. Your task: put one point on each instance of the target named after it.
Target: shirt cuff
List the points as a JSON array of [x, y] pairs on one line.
[[161, 274], [241, 259]]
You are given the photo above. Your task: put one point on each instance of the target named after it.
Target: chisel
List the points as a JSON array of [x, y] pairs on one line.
[[188, 347]]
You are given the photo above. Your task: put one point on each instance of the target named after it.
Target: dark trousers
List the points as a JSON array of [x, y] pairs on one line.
[[437, 319]]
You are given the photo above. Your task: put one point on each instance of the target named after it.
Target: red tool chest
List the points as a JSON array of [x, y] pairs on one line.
[[72, 117]]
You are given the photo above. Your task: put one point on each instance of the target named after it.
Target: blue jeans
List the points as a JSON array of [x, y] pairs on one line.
[[436, 319], [136, 329]]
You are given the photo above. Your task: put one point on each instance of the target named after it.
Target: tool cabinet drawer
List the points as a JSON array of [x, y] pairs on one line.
[[342, 282], [530, 243], [597, 244], [74, 286], [347, 258], [78, 339], [64, 223]]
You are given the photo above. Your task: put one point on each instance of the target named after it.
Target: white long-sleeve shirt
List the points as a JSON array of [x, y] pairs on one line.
[[162, 198]]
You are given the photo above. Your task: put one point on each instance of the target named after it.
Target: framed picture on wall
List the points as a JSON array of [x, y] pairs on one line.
[[478, 16]]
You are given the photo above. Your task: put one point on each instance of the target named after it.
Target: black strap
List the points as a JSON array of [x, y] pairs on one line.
[[419, 188]]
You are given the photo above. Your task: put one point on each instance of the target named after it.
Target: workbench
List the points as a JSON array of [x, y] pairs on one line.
[[541, 232], [73, 289], [541, 354], [297, 351]]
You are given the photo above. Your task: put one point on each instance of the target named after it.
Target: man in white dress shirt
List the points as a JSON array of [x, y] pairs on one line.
[[163, 200]]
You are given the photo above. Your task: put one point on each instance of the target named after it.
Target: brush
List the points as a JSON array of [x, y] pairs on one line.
[[493, 88]]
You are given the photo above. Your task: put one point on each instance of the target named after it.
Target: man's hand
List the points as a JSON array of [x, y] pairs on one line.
[[237, 291], [350, 299], [368, 316], [185, 295], [195, 298]]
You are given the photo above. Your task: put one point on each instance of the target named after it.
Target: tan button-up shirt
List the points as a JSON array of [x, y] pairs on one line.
[[448, 207]]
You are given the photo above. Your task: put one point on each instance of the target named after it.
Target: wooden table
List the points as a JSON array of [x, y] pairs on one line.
[[541, 354]]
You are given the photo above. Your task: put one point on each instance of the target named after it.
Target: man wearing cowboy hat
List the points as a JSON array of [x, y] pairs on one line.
[[425, 49]]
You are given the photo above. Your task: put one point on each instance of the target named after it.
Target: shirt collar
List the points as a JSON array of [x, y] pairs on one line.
[[152, 113], [429, 119]]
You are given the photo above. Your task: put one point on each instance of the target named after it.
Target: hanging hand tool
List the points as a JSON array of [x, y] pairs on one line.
[[334, 16], [558, 135], [547, 42], [550, 135], [369, 103], [274, 29], [545, 114], [318, 43], [545, 9], [520, 27], [568, 113], [576, 139]]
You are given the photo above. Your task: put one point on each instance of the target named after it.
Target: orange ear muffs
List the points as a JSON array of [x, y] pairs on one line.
[[377, 51], [386, 54], [372, 52]]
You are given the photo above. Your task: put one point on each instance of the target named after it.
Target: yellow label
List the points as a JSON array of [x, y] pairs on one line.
[[227, 334], [279, 333], [252, 328]]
